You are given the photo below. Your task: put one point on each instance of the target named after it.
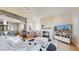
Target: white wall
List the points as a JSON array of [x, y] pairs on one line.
[[37, 24], [34, 23], [21, 26], [75, 17], [50, 21], [62, 20], [47, 21]]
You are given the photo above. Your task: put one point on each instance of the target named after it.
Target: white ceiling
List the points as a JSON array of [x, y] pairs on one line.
[[39, 11], [47, 11]]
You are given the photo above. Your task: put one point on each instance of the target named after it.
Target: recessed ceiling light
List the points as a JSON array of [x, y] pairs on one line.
[[28, 10]]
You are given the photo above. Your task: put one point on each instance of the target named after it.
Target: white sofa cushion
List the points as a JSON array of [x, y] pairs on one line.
[[13, 41], [4, 46]]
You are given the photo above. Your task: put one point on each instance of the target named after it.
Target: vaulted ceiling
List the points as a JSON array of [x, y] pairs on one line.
[[47, 11], [39, 11]]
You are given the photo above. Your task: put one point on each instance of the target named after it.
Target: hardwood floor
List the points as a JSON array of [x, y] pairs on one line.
[[64, 47]]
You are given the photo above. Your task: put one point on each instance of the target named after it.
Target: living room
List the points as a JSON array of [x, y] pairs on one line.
[[39, 28]]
